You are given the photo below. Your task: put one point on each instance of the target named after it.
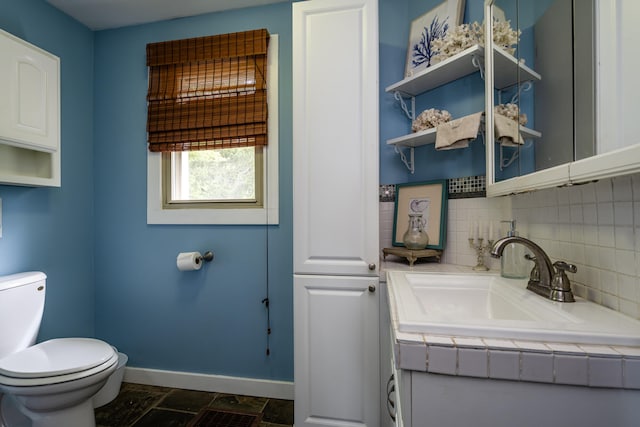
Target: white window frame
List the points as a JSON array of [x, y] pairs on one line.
[[265, 215]]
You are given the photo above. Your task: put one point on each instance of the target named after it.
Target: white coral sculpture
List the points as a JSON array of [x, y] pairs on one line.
[[511, 111], [464, 36], [456, 40], [429, 119], [504, 36]]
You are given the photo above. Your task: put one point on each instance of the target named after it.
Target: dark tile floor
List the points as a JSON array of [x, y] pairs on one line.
[[140, 405]]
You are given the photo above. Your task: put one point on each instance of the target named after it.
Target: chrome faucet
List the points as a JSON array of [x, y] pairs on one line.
[[547, 279]]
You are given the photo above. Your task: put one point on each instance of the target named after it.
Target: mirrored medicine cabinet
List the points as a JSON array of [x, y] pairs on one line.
[[573, 89]]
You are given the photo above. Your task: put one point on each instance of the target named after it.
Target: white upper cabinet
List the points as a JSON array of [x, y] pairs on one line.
[[335, 137], [29, 114], [585, 106]]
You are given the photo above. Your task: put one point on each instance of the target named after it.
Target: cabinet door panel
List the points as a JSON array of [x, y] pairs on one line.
[[29, 77], [335, 131], [336, 351]]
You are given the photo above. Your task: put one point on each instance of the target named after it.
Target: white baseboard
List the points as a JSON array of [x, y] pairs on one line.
[[214, 383]]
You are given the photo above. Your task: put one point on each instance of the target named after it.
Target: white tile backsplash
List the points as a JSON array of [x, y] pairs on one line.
[[595, 226], [622, 189], [604, 238]]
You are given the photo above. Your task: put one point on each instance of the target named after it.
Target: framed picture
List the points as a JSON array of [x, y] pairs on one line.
[[428, 198], [428, 27]]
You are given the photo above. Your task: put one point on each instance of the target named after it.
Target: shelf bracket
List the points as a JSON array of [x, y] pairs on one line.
[[409, 163], [524, 87], [410, 112], [478, 64], [504, 162]]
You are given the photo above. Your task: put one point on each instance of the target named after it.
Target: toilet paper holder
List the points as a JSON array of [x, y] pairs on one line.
[[208, 256]]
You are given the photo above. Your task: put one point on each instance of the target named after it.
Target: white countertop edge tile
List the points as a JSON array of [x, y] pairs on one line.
[[628, 352], [532, 346], [469, 342], [502, 344], [409, 338], [599, 350], [565, 348], [439, 340]]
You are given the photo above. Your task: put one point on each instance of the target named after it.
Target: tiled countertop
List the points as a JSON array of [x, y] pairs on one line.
[[542, 362]]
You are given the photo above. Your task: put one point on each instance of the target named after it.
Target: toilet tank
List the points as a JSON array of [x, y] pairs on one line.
[[21, 307]]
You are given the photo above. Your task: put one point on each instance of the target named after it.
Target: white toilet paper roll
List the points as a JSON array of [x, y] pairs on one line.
[[189, 261]]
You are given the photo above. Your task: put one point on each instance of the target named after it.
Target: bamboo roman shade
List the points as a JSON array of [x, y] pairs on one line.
[[208, 92]]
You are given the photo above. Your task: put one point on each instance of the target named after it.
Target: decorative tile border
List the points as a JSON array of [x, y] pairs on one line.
[[467, 187], [458, 188], [387, 193]]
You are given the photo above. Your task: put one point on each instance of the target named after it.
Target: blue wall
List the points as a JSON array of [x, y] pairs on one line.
[[52, 230], [210, 321], [113, 276]]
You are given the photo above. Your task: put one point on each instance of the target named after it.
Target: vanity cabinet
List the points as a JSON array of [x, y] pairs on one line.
[[452, 401], [29, 114], [335, 213]]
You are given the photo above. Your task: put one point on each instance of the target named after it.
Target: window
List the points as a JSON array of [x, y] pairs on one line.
[[229, 178], [236, 185]]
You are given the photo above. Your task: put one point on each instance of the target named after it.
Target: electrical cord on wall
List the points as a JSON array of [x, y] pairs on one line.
[[265, 301]]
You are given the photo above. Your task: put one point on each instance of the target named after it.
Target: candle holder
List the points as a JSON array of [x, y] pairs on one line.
[[480, 249]]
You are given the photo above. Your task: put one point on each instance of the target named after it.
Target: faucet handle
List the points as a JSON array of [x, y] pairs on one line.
[[560, 284], [563, 266]]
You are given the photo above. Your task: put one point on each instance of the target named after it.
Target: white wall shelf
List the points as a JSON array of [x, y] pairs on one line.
[[416, 139], [508, 71], [457, 66], [528, 133]]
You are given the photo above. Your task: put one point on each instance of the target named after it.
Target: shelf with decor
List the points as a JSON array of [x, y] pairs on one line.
[[453, 68], [508, 70], [428, 136]]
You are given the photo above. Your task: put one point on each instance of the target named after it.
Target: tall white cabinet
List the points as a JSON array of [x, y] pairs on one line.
[[335, 179]]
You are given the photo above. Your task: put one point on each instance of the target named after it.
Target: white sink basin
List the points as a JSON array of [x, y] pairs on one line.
[[489, 306]]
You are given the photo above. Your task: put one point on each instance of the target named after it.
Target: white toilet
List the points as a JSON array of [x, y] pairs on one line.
[[50, 384]]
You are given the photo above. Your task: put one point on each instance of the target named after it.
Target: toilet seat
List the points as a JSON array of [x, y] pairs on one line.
[[56, 360]]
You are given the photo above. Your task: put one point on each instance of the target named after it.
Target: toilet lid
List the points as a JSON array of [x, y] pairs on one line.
[[56, 357]]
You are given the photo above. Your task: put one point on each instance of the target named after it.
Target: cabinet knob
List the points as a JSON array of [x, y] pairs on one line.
[[372, 288], [372, 266]]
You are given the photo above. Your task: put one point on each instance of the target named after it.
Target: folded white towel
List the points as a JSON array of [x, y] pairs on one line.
[[507, 131], [458, 133]]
